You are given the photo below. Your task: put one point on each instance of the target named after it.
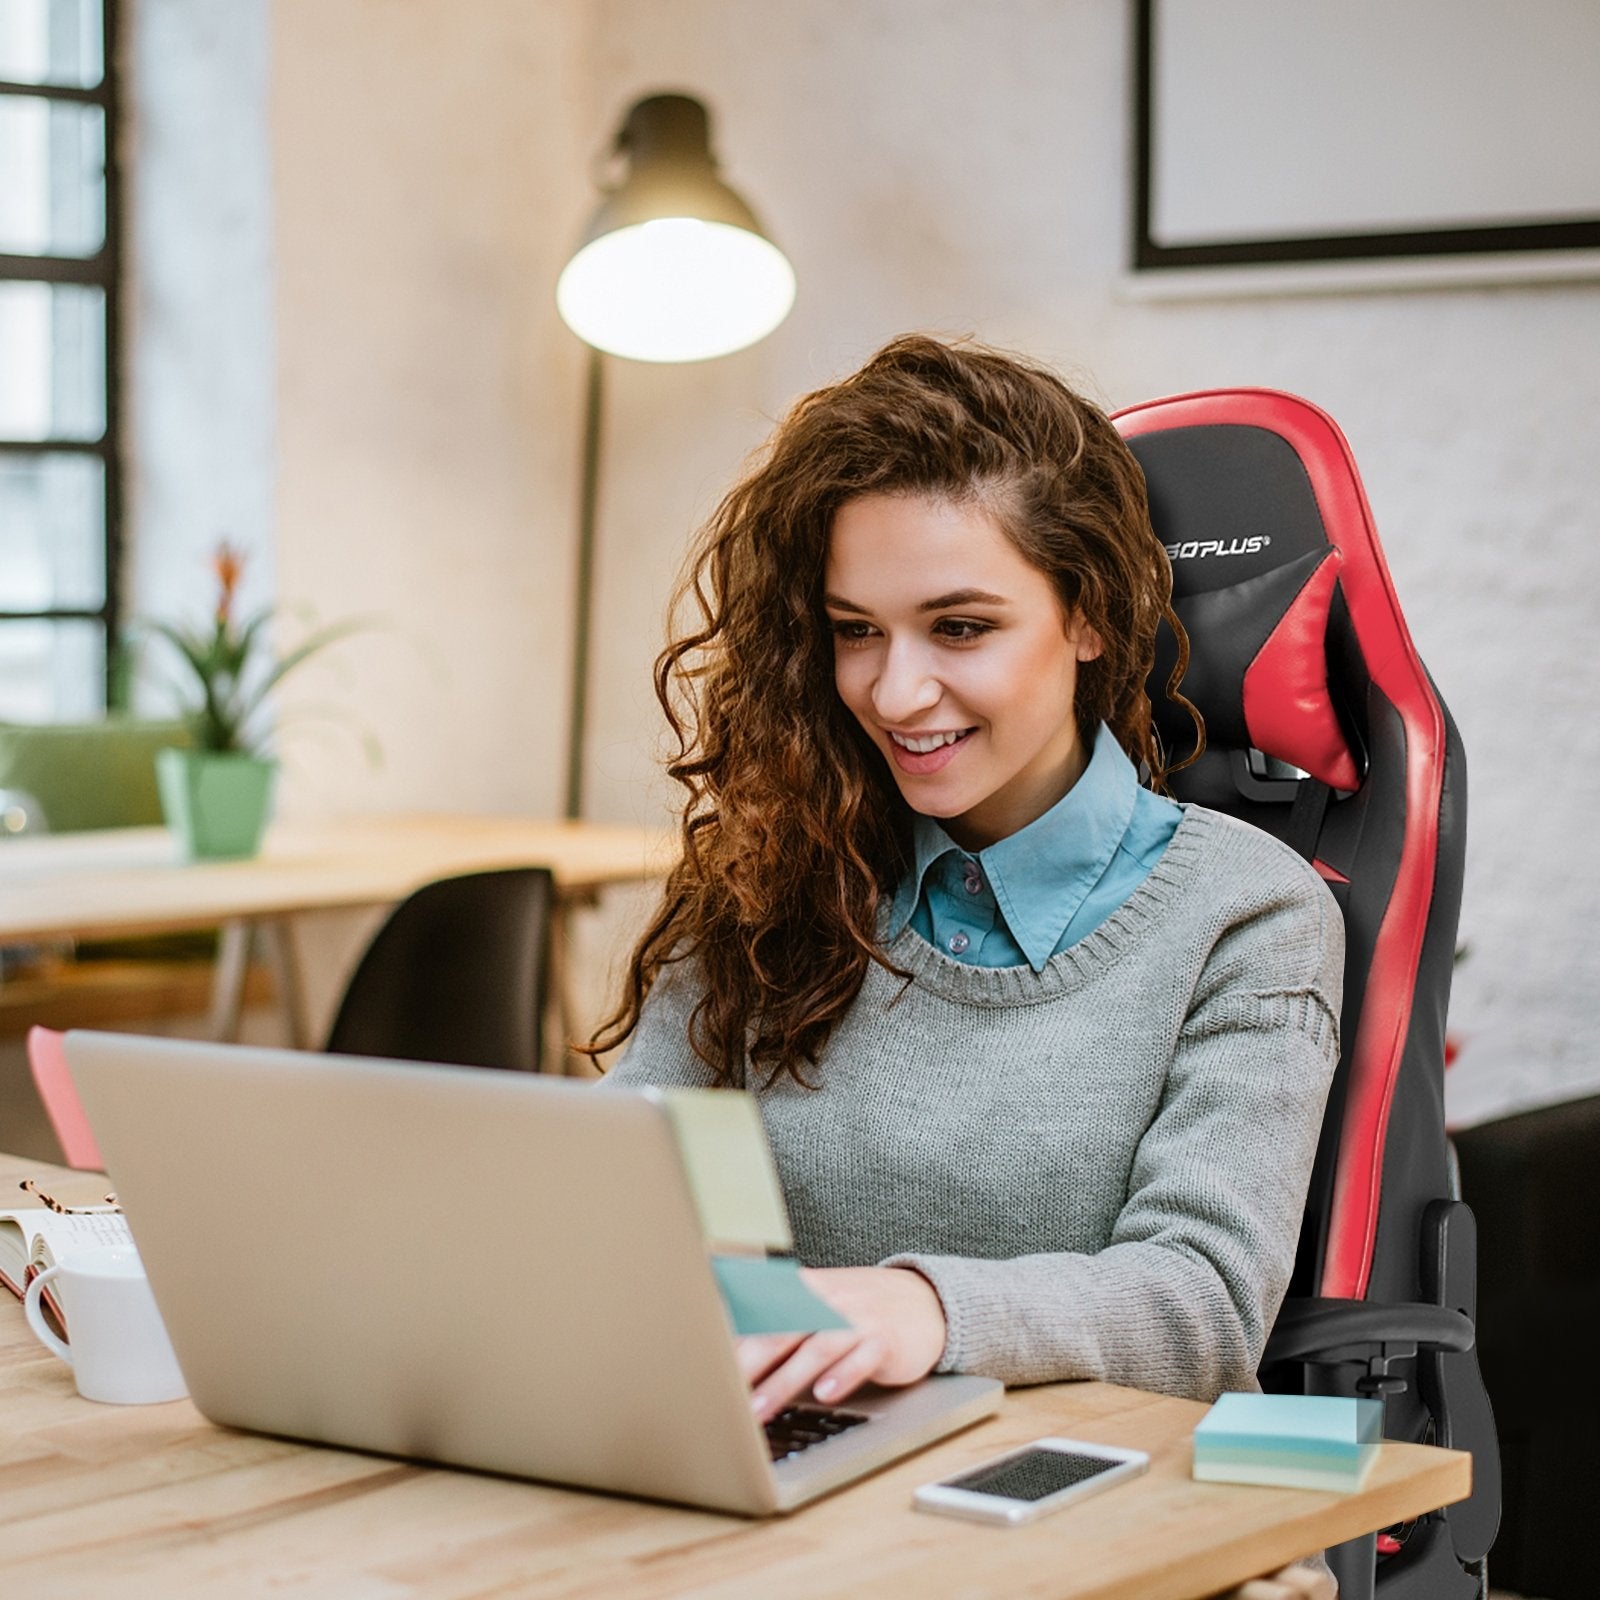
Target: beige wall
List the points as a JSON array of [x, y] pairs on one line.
[[926, 163], [427, 168]]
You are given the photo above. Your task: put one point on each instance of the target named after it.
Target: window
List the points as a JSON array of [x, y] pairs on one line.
[[58, 338]]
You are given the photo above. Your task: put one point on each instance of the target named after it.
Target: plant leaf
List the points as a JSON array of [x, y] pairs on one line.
[[320, 640]]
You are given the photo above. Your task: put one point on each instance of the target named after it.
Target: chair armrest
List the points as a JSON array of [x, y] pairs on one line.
[[1314, 1329]]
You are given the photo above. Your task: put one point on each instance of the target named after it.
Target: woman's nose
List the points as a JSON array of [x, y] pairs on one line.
[[905, 686]]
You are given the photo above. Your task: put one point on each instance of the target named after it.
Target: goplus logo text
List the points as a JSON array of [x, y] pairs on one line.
[[1193, 548]]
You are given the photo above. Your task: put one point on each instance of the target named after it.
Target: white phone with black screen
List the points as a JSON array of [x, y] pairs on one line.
[[1025, 1484]]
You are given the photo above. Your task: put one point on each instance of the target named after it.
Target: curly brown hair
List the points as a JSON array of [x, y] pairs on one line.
[[793, 829]]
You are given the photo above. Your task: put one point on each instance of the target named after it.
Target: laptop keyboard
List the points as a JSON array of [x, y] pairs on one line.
[[800, 1427]]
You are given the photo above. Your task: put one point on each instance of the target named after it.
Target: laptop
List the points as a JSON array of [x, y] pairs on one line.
[[492, 1270]]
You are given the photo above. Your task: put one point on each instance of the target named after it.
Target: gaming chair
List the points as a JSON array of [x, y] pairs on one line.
[[1324, 729]]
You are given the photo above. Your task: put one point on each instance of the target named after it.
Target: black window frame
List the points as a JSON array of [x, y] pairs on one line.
[[102, 270]]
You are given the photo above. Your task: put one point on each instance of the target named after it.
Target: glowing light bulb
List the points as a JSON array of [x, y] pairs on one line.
[[676, 289]]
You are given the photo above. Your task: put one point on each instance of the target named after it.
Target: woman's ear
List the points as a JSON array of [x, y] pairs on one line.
[[1087, 643]]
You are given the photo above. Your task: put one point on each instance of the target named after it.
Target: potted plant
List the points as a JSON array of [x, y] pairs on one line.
[[217, 793]]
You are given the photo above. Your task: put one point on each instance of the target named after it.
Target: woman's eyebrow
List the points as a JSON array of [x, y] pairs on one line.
[[943, 602], [963, 597]]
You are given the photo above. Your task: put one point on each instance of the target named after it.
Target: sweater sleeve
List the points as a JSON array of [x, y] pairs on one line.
[[1183, 1295]]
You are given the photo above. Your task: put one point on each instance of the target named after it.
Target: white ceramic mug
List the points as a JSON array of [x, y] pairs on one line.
[[119, 1350]]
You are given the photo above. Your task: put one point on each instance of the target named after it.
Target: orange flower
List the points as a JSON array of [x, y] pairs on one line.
[[228, 564]]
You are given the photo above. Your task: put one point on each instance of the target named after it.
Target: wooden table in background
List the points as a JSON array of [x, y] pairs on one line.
[[127, 1502], [131, 881]]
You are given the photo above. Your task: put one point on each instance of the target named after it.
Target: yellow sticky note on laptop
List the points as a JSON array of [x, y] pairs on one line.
[[729, 1163]]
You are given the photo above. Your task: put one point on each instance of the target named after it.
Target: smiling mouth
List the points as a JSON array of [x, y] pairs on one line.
[[922, 755], [926, 744]]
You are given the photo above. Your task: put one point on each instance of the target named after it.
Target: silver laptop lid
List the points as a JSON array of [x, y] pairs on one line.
[[489, 1269]]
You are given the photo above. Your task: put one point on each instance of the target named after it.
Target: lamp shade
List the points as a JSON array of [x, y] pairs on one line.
[[674, 265]]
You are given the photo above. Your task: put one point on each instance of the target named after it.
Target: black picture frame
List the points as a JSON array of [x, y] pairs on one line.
[[1149, 256]]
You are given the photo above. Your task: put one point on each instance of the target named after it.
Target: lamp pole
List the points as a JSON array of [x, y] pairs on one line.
[[583, 597]]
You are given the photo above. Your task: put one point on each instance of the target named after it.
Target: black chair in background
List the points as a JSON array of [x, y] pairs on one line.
[[459, 973], [1324, 729], [1532, 1180]]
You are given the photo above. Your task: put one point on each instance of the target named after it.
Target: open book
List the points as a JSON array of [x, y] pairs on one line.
[[35, 1237]]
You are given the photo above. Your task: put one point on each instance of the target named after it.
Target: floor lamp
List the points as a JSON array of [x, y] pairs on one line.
[[672, 267]]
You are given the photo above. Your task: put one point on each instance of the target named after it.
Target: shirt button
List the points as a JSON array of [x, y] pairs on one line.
[[958, 943], [973, 881]]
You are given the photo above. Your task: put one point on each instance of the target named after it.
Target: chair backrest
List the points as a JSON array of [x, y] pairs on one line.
[[458, 974], [1323, 728], [47, 1059]]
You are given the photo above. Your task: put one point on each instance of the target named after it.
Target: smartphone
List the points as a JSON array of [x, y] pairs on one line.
[[1024, 1484]]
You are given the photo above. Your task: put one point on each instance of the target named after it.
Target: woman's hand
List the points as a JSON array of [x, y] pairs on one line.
[[896, 1335], [1292, 1583]]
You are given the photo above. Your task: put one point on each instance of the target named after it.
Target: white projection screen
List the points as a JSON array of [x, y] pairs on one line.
[[1345, 130]]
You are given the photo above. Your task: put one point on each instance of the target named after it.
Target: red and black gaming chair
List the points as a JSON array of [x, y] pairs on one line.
[[1324, 729]]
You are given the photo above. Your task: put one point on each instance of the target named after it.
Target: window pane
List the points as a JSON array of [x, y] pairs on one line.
[[52, 533], [51, 41], [52, 361], [52, 177], [51, 671]]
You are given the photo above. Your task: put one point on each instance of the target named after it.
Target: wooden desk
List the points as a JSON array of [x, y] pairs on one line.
[[136, 1501], [130, 881]]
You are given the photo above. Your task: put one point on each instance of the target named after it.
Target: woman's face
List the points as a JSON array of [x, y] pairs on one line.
[[954, 653]]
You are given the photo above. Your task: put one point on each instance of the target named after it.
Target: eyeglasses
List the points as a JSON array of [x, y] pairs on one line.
[[28, 1186]]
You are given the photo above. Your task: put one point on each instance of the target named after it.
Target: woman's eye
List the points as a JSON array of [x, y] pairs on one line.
[[852, 632], [960, 629]]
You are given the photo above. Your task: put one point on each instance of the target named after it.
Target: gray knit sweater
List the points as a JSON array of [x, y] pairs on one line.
[[1101, 1166]]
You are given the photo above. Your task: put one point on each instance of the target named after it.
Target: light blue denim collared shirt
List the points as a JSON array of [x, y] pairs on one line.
[[1046, 886]]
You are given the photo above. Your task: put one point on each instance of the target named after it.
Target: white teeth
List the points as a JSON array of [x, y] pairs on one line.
[[931, 741]]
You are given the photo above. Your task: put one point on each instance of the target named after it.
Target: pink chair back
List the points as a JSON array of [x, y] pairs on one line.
[[48, 1059]]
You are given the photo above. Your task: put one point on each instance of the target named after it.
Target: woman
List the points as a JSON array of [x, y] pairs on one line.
[[1042, 1056]]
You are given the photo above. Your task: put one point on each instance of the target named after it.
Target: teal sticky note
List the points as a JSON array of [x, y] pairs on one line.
[[729, 1166], [1296, 1441], [764, 1294]]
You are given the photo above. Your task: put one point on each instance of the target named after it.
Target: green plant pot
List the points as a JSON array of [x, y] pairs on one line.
[[215, 804]]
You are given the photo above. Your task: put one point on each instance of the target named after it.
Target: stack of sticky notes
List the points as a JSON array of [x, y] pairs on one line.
[[1295, 1441]]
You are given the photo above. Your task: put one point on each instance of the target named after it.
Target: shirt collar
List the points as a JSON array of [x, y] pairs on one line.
[[1042, 873]]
